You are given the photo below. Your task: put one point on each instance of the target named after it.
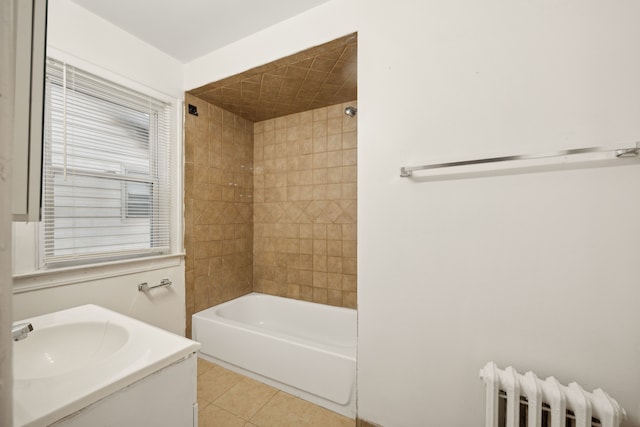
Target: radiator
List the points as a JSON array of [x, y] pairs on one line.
[[524, 400]]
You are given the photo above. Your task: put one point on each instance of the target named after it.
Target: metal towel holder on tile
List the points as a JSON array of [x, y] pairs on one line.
[[407, 171], [144, 287]]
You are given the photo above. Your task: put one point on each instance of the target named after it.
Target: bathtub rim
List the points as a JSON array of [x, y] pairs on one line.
[[348, 352]]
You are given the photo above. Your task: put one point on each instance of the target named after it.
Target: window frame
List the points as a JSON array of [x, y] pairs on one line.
[[28, 265]]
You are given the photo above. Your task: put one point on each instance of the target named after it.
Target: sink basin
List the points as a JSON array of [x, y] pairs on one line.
[[76, 357], [60, 349]]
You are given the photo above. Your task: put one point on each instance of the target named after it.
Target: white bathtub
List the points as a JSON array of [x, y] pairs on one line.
[[303, 348]]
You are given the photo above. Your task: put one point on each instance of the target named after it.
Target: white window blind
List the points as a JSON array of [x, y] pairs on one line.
[[106, 192]]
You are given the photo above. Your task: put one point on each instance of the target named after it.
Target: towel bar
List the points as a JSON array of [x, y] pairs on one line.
[[144, 287], [407, 171]]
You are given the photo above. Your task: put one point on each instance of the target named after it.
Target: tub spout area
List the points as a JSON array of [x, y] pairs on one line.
[[20, 331]]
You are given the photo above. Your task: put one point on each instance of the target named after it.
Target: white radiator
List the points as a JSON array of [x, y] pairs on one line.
[[517, 400]]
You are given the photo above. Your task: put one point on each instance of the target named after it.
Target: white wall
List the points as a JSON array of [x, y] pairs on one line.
[[87, 41], [117, 291], [522, 270], [538, 271], [75, 30], [525, 270]]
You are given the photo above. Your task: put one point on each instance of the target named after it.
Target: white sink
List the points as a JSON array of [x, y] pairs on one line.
[[58, 350], [74, 358]]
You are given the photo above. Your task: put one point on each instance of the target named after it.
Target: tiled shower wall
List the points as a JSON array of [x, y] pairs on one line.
[[218, 189], [270, 207], [305, 178]]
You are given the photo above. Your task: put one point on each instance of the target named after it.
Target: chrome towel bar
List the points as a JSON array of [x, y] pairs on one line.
[[144, 287], [407, 171]]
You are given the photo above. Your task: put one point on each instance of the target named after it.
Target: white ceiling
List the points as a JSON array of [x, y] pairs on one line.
[[188, 29]]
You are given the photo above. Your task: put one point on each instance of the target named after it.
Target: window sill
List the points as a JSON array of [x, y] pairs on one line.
[[43, 279]]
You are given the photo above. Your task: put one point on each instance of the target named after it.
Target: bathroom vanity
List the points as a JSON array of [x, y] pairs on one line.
[[92, 366], [164, 398]]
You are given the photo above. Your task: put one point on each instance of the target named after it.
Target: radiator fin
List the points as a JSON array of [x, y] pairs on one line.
[[517, 400]]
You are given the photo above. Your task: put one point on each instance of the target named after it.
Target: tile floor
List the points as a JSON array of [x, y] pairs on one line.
[[228, 399]]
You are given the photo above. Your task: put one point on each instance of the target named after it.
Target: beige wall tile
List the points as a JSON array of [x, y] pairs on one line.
[[334, 281], [320, 295], [218, 194], [334, 142], [349, 299], [335, 111], [349, 140], [315, 164], [334, 297], [270, 206], [320, 144], [349, 282], [320, 114]]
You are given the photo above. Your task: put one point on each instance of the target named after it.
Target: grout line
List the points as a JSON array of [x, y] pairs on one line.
[[265, 404], [202, 419], [229, 412]]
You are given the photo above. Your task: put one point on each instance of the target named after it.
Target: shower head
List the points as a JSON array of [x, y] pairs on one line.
[[351, 111]]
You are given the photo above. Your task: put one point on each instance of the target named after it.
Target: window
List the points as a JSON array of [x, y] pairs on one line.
[[106, 191]]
